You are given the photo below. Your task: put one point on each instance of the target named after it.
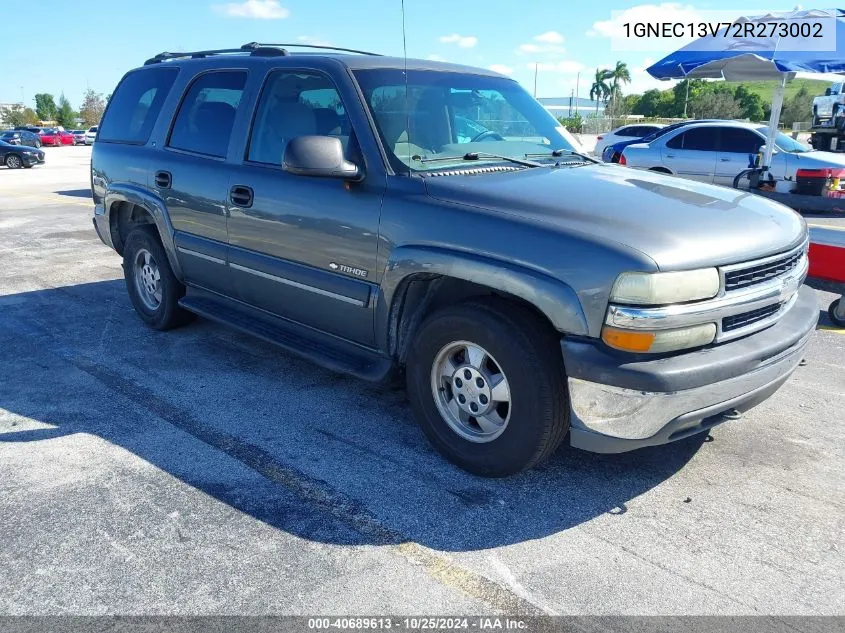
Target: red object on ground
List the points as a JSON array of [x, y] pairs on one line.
[[827, 254]]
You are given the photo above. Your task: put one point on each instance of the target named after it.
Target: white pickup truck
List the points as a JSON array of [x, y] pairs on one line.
[[830, 109]]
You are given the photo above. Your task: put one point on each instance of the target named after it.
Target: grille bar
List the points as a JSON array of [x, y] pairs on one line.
[[744, 277], [737, 321]]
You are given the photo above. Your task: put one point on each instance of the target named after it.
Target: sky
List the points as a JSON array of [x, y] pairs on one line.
[[91, 43]]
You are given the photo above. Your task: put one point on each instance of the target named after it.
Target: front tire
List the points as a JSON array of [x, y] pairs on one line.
[[487, 386], [153, 288], [13, 161], [836, 312]]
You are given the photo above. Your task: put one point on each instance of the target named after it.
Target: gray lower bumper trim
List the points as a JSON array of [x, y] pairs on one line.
[[681, 427]]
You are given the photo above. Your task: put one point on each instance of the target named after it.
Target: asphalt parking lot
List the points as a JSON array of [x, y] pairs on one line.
[[203, 472]]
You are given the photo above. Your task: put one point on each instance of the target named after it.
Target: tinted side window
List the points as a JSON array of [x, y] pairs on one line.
[[135, 106], [295, 104], [207, 113], [631, 130], [700, 138], [739, 141]]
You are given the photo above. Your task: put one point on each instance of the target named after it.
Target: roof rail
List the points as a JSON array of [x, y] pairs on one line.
[[257, 45], [191, 54], [253, 48]]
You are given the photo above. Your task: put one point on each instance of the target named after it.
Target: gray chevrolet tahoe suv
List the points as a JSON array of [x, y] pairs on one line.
[[327, 203]]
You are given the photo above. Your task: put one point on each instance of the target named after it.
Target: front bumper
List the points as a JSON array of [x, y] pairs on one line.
[[32, 159], [619, 404]]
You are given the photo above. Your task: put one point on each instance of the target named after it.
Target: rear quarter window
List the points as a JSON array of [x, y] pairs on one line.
[[135, 106]]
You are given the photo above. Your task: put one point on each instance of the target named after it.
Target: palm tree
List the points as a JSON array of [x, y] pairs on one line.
[[619, 75], [599, 90]]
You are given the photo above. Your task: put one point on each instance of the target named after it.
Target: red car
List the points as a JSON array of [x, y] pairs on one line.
[[50, 136], [66, 137]]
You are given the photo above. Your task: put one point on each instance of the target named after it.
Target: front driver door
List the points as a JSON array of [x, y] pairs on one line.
[[737, 146], [304, 248], [692, 153]]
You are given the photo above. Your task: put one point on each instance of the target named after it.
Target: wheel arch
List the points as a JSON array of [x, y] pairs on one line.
[[128, 205], [420, 279]]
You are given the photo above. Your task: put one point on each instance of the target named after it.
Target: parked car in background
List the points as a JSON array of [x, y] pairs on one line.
[[66, 137], [717, 152], [91, 135], [21, 137], [624, 133], [50, 136], [17, 156], [612, 153], [78, 137], [830, 108]]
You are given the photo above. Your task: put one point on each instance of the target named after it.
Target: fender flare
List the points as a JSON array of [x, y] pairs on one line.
[[133, 194], [552, 297]]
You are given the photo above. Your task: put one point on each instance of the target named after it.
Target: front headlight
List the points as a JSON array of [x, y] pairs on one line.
[[665, 288]]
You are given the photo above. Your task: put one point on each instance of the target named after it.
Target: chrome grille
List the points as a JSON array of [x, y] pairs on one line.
[[754, 274], [736, 321]]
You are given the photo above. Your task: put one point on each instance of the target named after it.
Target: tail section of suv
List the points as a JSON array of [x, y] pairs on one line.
[[334, 204]]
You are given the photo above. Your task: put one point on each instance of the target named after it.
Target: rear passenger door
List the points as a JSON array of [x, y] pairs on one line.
[[191, 175], [737, 146], [304, 248], [692, 153]]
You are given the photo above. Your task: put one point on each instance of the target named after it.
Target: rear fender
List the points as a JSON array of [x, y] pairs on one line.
[[125, 192]]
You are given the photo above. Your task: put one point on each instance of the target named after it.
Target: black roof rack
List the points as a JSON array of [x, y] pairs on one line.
[[257, 45], [253, 48]]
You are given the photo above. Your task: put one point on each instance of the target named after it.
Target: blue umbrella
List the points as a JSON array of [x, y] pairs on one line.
[[746, 59]]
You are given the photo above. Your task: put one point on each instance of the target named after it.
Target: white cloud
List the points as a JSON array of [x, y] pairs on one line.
[[501, 68], [550, 44], [464, 41], [258, 9], [566, 67], [550, 37]]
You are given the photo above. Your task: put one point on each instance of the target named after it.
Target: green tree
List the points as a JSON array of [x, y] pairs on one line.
[[696, 88], [45, 106], [716, 105], [600, 90], [750, 102], [18, 115], [92, 108], [799, 107], [619, 75], [65, 115]]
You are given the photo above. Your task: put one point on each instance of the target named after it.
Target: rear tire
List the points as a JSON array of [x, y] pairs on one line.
[[153, 288], [469, 351]]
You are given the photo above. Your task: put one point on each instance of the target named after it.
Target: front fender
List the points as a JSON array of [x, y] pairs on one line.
[[126, 192], [550, 296]]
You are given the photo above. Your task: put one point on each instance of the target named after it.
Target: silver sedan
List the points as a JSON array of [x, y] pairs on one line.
[[716, 152]]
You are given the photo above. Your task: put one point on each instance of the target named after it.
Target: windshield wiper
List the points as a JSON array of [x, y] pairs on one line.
[[557, 153], [475, 156]]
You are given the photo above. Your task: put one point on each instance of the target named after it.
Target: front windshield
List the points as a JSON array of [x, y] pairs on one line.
[[786, 143], [448, 114]]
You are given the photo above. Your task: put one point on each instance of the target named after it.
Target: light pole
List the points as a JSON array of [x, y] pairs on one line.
[[536, 65]]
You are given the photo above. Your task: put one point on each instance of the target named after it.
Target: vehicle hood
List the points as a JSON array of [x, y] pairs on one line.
[[677, 223]]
